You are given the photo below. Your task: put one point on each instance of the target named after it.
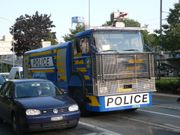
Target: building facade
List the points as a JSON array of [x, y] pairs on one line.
[[6, 55]]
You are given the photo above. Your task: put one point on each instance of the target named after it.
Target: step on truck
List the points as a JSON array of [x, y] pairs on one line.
[[103, 69]]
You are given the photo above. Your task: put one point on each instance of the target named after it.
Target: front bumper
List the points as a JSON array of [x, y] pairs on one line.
[[38, 123], [119, 102]]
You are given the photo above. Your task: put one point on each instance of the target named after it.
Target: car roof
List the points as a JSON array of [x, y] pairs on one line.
[[28, 80]]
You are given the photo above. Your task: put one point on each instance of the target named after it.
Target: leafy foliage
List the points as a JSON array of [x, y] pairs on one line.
[[171, 31], [70, 37], [150, 39], [29, 30]]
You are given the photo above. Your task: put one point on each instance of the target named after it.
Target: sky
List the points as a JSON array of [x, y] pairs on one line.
[[61, 11]]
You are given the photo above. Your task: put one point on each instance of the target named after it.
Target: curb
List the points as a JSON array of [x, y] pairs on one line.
[[166, 95]]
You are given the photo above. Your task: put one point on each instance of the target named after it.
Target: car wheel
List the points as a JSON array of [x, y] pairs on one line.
[[17, 129]]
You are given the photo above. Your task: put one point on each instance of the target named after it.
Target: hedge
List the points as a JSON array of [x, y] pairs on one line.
[[168, 85]]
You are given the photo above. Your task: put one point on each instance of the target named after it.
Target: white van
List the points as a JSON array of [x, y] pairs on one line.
[[16, 73]]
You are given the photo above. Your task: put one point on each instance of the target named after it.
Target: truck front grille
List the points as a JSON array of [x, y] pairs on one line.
[[123, 73]]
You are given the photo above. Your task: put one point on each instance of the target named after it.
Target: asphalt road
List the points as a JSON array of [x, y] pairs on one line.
[[163, 118]]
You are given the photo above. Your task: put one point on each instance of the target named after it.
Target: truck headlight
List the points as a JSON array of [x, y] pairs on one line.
[[32, 112], [147, 86], [73, 108], [103, 90]]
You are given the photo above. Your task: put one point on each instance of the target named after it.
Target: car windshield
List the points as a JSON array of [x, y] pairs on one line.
[[5, 75], [118, 41], [36, 89]]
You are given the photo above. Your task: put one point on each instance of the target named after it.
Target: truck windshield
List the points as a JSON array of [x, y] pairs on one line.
[[118, 41]]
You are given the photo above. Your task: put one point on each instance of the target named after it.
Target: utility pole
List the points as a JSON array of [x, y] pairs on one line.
[[160, 39], [160, 23]]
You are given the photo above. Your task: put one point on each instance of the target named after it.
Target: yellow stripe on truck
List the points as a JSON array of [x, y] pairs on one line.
[[44, 70], [94, 101], [41, 53], [136, 61], [86, 77], [59, 64], [82, 69]]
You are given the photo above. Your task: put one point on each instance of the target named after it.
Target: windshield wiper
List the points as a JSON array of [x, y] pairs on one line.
[[27, 96], [109, 51], [131, 50]]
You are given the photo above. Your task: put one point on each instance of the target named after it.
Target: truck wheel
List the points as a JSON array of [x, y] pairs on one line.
[[131, 110], [76, 94]]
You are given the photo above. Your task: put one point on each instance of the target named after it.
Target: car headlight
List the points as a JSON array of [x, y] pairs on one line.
[[32, 112], [73, 108]]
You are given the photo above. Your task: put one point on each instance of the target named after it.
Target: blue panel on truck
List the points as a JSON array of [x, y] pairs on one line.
[[52, 63]]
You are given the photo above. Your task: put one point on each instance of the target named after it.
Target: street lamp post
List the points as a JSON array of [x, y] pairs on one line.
[[3, 18], [89, 13]]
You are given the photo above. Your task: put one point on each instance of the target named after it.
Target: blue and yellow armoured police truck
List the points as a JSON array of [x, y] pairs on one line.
[[103, 69]]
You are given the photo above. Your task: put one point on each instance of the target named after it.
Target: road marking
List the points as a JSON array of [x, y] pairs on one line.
[[165, 114], [166, 126], [102, 133], [105, 131]]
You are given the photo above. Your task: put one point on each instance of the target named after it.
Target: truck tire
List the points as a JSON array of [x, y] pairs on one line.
[[78, 94], [131, 110]]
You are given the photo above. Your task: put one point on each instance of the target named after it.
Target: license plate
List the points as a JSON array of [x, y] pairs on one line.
[[127, 100], [56, 118]]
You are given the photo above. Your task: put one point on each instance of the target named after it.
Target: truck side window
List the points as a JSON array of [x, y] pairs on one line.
[[76, 46], [84, 45]]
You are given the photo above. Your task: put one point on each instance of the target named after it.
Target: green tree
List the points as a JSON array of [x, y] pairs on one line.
[[171, 31], [151, 40], [70, 37], [28, 31]]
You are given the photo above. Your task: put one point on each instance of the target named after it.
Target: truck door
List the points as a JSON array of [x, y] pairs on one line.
[[82, 60]]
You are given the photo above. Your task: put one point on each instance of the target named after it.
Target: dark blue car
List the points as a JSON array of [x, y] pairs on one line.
[[35, 104]]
